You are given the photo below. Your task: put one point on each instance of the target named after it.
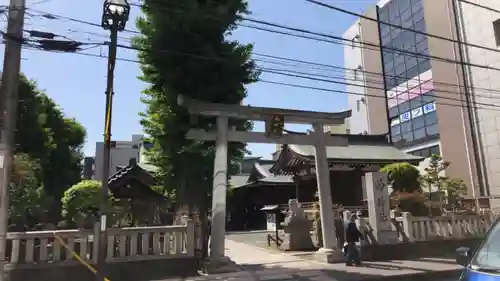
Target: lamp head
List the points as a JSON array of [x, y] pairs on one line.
[[115, 14]]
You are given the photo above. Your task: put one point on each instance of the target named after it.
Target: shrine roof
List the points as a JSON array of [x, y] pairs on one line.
[[119, 180], [260, 174], [361, 149]]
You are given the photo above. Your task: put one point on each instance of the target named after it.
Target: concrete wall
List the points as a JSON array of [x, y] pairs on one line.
[[136, 270], [477, 28]]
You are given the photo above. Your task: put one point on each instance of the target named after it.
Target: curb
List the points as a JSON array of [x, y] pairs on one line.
[[445, 274]]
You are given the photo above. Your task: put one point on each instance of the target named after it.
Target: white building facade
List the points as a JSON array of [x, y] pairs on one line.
[[480, 25], [120, 155], [355, 78]]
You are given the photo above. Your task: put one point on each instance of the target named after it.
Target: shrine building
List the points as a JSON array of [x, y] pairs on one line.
[[292, 175]]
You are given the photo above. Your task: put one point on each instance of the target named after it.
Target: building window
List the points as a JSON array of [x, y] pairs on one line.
[[416, 124], [415, 113], [496, 30], [427, 152]]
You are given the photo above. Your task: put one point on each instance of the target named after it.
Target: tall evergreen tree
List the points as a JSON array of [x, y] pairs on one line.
[[50, 138], [186, 51]]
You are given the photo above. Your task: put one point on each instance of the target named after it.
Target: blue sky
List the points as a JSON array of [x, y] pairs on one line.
[[77, 83]]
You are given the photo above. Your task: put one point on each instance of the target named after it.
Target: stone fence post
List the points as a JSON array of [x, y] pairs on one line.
[[408, 226], [393, 214], [455, 227], [190, 236]]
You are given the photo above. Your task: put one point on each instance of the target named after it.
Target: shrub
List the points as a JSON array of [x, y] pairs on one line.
[[404, 177], [80, 203]]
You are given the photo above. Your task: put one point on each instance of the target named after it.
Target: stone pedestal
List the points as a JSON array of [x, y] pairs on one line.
[[329, 255], [297, 226], [219, 265]]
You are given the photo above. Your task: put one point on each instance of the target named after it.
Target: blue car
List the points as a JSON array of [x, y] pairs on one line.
[[483, 264]]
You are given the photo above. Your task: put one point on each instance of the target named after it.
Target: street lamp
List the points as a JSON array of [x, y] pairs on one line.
[[115, 14], [114, 18]]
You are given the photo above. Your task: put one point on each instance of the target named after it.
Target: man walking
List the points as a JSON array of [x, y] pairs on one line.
[[352, 236]]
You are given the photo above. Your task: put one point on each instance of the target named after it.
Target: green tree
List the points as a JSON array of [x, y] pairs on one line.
[[27, 199], [433, 179], [55, 141], [455, 190], [404, 177], [185, 52]]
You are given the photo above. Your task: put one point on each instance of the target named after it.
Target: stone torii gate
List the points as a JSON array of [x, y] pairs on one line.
[[223, 135]]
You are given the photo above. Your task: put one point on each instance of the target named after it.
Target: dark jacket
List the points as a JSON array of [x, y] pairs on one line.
[[352, 233]]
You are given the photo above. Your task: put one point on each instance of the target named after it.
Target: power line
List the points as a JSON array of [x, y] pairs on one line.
[[198, 56], [338, 82], [309, 75], [366, 45], [339, 68], [364, 86], [473, 105], [377, 46], [401, 27], [366, 72], [373, 46], [302, 75], [348, 41]]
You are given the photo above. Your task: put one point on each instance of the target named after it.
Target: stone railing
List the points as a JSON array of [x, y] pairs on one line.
[[64, 247], [410, 228]]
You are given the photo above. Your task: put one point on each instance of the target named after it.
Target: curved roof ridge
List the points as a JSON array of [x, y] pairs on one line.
[[263, 171]]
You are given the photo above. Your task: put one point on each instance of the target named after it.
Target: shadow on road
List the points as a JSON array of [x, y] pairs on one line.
[[279, 271]]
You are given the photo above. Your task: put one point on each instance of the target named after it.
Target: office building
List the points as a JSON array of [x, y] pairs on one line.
[[424, 102]]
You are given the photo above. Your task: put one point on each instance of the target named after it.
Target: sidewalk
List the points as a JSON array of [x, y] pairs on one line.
[[262, 265]]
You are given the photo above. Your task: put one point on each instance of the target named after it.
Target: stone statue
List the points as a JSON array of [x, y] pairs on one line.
[[297, 229]]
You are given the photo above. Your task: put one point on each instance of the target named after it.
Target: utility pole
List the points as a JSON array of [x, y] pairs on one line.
[[103, 237], [114, 17], [8, 104]]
